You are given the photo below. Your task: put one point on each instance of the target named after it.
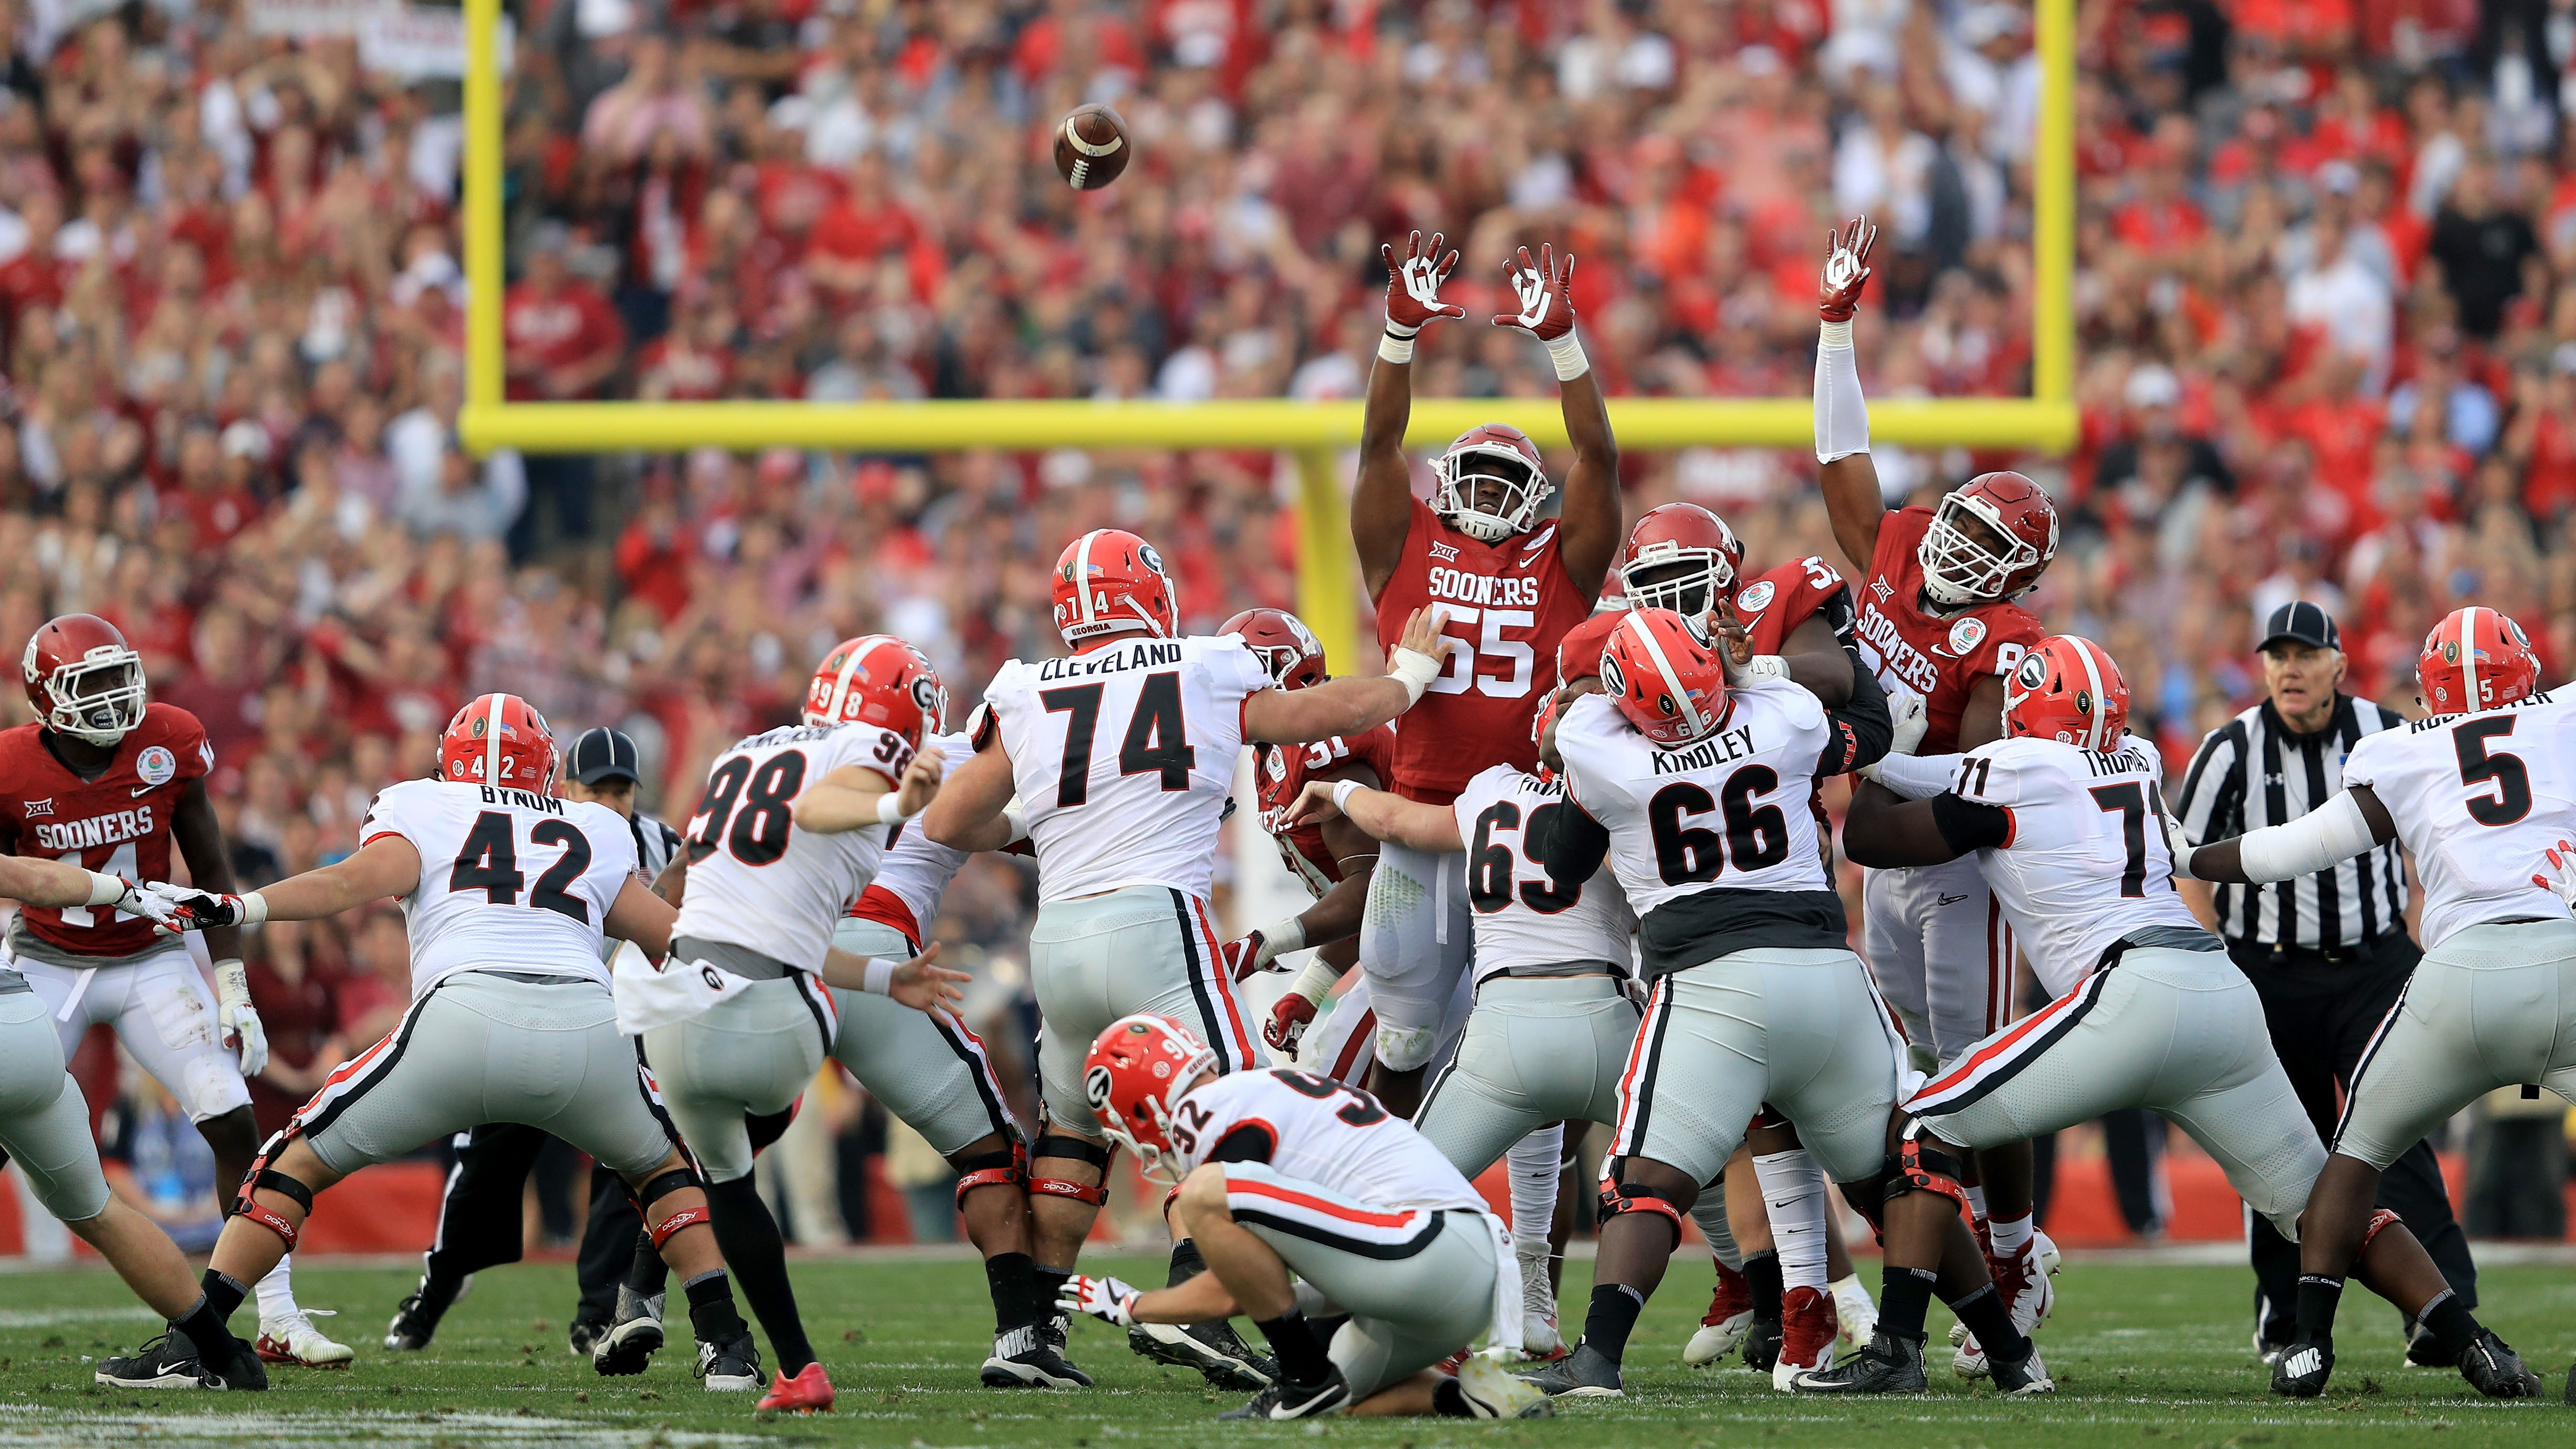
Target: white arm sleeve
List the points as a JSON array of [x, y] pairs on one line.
[[2333, 832], [1842, 417], [1916, 777]]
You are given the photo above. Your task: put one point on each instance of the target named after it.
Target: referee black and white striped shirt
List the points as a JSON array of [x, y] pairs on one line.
[[2255, 771], [655, 844]]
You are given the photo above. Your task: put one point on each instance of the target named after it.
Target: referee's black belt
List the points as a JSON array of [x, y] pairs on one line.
[[2282, 953]]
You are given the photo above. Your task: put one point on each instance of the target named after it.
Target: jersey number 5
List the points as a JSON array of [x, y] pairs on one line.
[[1157, 741], [2512, 798], [746, 810], [489, 862]]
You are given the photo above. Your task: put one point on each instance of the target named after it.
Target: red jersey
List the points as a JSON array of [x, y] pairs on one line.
[[1282, 771], [1510, 602], [1778, 601], [118, 823], [1939, 657]]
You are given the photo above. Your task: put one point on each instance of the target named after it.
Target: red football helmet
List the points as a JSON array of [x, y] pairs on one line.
[[1490, 452], [1666, 679], [1679, 557], [1133, 1074], [878, 679], [1989, 541], [2068, 690], [2476, 659], [1578, 654], [499, 739], [1285, 646], [84, 679], [1109, 581]]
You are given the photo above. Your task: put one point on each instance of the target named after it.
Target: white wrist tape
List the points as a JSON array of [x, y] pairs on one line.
[[1343, 790], [104, 889], [1395, 349], [1414, 670], [880, 978], [1280, 939], [1314, 981], [232, 982], [1567, 353], [890, 809], [1842, 415], [254, 908], [1019, 823], [1916, 777], [2181, 850], [1762, 667], [2335, 831]]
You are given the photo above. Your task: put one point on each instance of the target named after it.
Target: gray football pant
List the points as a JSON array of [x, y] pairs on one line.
[[1537, 1050], [2492, 1006]]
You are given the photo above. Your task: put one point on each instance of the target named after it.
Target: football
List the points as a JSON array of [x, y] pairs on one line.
[[1091, 148]]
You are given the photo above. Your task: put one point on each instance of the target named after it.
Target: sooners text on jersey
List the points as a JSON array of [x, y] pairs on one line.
[[1938, 658], [118, 823], [509, 879], [1281, 773], [1509, 602], [2477, 798]]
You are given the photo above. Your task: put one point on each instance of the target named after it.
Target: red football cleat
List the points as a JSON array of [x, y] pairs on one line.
[[1808, 1327], [810, 1392]]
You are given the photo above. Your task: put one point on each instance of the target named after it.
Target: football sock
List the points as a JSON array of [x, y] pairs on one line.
[[224, 1293], [1301, 1356], [1904, 1296], [1987, 1317], [712, 1315], [2450, 1323], [1534, 1166], [748, 1237], [1710, 1213], [277, 1290], [1612, 1318], [1186, 1263], [646, 1273], [2007, 1235], [1051, 1283], [2319, 1296], [1013, 1280], [1793, 1192], [206, 1330], [1977, 1208], [1762, 1270]]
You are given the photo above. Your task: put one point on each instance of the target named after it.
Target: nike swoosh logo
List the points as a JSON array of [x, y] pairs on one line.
[[140, 790], [1947, 900]]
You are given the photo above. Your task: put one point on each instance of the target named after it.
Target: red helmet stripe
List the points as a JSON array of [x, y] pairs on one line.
[[1636, 621]]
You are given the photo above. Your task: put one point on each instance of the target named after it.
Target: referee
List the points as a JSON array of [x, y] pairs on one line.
[[478, 1218], [2329, 952]]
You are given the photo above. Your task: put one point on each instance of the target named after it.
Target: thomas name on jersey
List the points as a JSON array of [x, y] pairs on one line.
[[1456, 586], [108, 829], [1113, 660], [2127, 761], [1717, 749]]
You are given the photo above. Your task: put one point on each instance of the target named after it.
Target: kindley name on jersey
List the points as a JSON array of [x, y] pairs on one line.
[[1113, 660], [1506, 592], [108, 829], [1717, 749]]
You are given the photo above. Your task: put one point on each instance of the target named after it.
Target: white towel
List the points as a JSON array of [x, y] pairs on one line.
[[649, 996], [1507, 1286]]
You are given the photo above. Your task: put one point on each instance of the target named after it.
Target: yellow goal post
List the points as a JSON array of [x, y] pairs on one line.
[[1315, 432]]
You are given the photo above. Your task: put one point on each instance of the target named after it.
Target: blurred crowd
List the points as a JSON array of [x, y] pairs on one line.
[[2326, 350]]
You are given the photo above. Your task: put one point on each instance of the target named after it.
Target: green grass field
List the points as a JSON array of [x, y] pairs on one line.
[[2144, 1356]]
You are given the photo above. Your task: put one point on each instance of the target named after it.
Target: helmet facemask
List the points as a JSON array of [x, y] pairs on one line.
[[99, 699], [1463, 471], [1970, 557], [1688, 581]]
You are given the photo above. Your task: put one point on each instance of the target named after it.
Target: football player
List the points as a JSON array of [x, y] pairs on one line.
[[508, 893], [1511, 582], [791, 827], [108, 782], [1937, 618], [2477, 792], [1281, 1172], [1121, 757]]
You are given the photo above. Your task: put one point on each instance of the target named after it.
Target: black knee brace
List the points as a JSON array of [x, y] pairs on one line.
[[262, 1175], [1917, 1167], [666, 1184]]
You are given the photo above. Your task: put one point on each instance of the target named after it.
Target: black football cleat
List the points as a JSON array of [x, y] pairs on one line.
[[2495, 1370], [171, 1362], [2029, 1376], [1280, 1400], [632, 1337], [416, 1318], [730, 1367], [1586, 1373], [2302, 1370], [1026, 1358], [1762, 1344], [1891, 1364], [1211, 1348]]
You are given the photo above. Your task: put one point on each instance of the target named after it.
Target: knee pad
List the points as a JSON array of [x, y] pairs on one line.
[[1913, 1167], [2380, 1221], [1628, 1197], [1065, 1145], [1405, 1048], [992, 1169]]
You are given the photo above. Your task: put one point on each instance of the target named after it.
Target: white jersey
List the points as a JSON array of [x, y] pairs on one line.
[[1728, 813], [1314, 1128], [2477, 798], [755, 878], [2085, 860], [509, 880], [1123, 756], [916, 869], [1524, 916]]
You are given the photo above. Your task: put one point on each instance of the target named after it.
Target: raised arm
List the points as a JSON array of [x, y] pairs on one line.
[[1591, 519], [1844, 472], [1350, 705], [1382, 499], [2350, 824]]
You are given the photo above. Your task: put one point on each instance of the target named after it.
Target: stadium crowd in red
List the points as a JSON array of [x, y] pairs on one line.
[[2325, 346]]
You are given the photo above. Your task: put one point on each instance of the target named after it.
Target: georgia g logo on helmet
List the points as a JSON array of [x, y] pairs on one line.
[[1613, 681], [2034, 671], [1096, 1085], [1153, 560]]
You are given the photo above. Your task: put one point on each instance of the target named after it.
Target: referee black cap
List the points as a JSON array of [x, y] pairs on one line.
[[603, 754], [2307, 623]]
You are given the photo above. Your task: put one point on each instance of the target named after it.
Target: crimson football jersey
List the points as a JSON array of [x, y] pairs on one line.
[[1509, 604], [1775, 603], [1938, 658], [118, 823], [1282, 772]]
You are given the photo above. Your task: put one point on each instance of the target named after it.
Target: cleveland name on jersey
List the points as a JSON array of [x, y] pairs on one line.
[[509, 880], [755, 879], [1939, 658], [2477, 798], [118, 823], [913, 877], [1123, 755], [1280, 773], [1525, 917], [2084, 859], [1317, 1130], [1509, 603]]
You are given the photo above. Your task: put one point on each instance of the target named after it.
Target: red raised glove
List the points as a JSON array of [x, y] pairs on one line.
[[1242, 956], [1289, 1018], [1846, 270], [1546, 291], [1413, 284]]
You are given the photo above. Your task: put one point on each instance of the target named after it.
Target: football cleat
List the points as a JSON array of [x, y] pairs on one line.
[[1540, 1339], [1890, 1364], [633, 1336], [416, 1317], [1855, 1314], [1491, 1393], [290, 1337], [733, 1367], [1211, 1348], [2302, 1370], [2029, 1376], [810, 1392], [171, 1362], [2495, 1370], [1586, 1373], [1024, 1358], [1807, 1332], [2423, 1350], [2022, 1279], [1730, 1317], [1280, 1400], [586, 1335], [1762, 1343]]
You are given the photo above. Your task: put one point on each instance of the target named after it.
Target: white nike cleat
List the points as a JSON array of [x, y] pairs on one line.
[[1729, 1320], [290, 1337]]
